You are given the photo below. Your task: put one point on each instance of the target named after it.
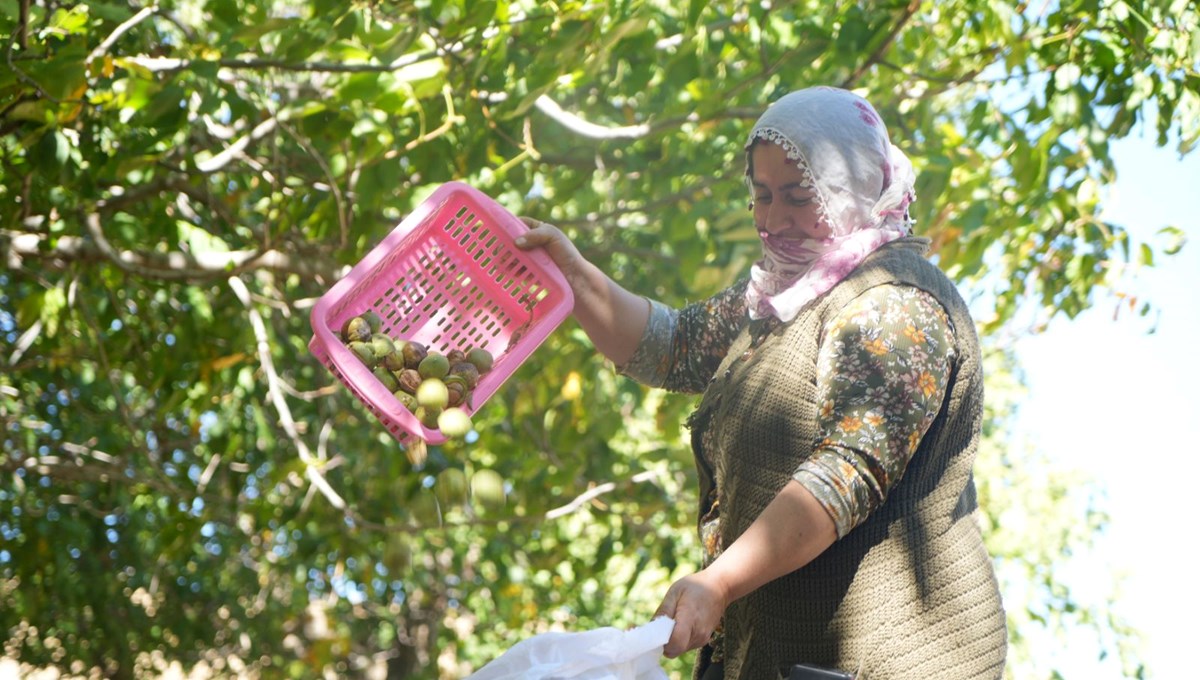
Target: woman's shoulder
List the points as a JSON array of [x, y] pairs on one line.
[[907, 261]]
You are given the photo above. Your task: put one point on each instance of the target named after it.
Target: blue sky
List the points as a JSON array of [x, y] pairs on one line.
[[1121, 404]]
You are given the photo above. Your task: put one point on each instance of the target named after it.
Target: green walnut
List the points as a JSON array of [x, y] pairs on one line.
[[481, 358], [373, 320], [382, 345], [434, 365], [432, 393], [487, 487], [467, 371], [413, 353], [363, 351], [394, 361], [385, 376], [451, 487], [424, 509], [428, 416], [408, 400], [409, 380], [458, 392], [454, 422], [356, 329]]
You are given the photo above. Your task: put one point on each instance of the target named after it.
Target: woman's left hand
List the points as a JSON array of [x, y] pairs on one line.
[[696, 603]]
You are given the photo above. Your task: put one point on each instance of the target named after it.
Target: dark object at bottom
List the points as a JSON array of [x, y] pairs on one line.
[[803, 671], [800, 671]]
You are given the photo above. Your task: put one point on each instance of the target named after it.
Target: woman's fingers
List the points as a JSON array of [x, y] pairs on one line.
[[681, 634], [539, 235], [556, 244], [681, 640], [688, 633]]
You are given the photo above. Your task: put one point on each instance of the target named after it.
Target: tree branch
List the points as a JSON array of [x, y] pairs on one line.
[[24, 342], [164, 64], [170, 65], [22, 32], [234, 150], [561, 511], [580, 126], [312, 464], [121, 30], [171, 266], [585, 128], [870, 61], [452, 119], [592, 221], [593, 493]]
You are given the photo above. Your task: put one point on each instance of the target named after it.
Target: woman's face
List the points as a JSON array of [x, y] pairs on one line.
[[785, 205]]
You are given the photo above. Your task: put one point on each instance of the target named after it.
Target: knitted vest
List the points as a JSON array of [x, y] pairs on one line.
[[910, 593]]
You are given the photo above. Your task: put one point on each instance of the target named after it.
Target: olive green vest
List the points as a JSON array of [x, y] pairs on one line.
[[911, 592]]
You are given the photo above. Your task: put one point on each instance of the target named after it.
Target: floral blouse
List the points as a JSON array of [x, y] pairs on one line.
[[882, 369]]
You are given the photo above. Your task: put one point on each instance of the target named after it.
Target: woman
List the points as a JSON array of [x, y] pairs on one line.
[[841, 409]]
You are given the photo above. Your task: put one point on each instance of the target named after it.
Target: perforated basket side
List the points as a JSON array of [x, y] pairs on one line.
[[449, 277], [401, 431]]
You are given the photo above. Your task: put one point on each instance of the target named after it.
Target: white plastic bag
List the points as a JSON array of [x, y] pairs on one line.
[[601, 654]]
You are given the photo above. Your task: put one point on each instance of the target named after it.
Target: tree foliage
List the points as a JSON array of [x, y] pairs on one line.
[[182, 481]]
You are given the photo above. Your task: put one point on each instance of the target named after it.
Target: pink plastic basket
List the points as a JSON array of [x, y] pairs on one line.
[[450, 277]]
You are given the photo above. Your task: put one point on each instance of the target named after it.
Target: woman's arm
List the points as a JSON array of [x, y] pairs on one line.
[[613, 318], [791, 531]]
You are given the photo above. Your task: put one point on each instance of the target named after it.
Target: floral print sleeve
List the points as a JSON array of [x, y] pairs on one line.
[[681, 349], [882, 370]]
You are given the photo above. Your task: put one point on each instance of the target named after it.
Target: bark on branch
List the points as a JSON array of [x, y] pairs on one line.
[[171, 65], [312, 464], [171, 265], [576, 504], [121, 30]]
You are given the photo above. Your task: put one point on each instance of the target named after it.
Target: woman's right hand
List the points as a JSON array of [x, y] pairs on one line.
[[611, 316], [557, 246]]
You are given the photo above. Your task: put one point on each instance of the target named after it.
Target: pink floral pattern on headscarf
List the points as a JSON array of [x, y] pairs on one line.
[[863, 184]]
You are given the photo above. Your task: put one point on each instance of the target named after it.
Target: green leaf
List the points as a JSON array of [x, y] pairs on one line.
[[66, 22], [854, 33], [253, 32], [30, 309], [1066, 76], [1175, 237], [9, 8], [933, 178], [359, 87], [199, 304], [63, 75], [53, 303], [114, 12], [198, 240], [425, 77], [348, 25], [481, 12], [52, 150], [1147, 255]]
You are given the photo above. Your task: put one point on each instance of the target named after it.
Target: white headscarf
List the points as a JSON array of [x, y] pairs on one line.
[[863, 187]]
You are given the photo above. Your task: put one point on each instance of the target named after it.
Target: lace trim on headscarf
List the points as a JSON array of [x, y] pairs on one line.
[[775, 136]]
